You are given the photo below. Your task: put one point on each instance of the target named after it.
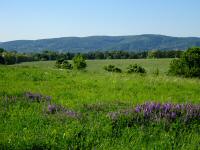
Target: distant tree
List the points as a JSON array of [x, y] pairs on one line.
[[188, 65], [99, 55], [1, 50], [23, 58], [79, 62], [9, 58], [2, 60]]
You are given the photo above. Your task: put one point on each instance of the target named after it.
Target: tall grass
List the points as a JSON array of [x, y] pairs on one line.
[[92, 94]]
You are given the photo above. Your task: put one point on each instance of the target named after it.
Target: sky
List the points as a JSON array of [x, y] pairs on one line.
[[39, 19]]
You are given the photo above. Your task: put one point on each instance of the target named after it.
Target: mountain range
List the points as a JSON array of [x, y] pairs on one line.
[[103, 43]]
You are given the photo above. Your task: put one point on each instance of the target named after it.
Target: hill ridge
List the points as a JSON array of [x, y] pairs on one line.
[[141, 42]]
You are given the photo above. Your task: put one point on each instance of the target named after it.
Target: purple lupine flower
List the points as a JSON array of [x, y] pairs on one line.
[[158, 106], [137, 109], [166, 107], [52, 108], [157, 111], [173, 115], [72, 114], [36, 97]]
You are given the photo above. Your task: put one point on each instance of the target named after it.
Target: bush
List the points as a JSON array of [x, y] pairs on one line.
[[59, 62], [66, 65], [112, 68], [79, 62], [135, 69], [188, 65]]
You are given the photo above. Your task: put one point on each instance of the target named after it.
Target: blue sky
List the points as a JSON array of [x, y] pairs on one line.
[[36, 19]]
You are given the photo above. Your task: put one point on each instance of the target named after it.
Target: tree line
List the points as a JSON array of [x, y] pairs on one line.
[[9, 58], [52, 55], [12, 57]]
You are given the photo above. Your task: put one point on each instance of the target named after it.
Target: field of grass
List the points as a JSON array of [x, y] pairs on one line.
[[92, 94]]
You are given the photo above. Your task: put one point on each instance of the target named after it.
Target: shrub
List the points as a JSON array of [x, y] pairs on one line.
[[112, 68], [135, 69], [66, 65], [188, 65], [59, 62], [79, 62]]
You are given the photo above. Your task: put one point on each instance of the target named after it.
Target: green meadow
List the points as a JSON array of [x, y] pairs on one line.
[[93, 93]]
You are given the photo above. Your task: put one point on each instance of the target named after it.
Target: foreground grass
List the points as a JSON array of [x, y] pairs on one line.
[[93, 93]]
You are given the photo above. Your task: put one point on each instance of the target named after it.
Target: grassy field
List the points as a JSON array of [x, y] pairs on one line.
[[96, 66], [93, 94]]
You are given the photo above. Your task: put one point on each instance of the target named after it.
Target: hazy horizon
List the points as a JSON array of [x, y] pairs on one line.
[[98, 36], [32, 20]]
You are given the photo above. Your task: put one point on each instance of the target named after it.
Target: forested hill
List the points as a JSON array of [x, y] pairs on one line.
[[103, 43]]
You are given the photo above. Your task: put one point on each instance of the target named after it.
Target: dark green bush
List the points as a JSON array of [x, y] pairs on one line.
[[59, 62], [66, 65], [79, 62], [188, 65], [135, 68], [112, 68]]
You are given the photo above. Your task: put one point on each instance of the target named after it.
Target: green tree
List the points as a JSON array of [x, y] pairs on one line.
[[79, 62], [188, 65], [9, 58], [2, 60], [1, 50]]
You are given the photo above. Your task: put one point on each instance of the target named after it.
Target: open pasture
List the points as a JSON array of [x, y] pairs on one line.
[[93, 94]]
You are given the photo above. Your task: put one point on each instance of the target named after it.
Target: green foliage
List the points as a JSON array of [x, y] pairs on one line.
[[135, 68], [2, 61], [164, 54], [188, 65], [79, 62], [112, 68], [9, 58], [23, 58], [1, 50], [59, 62], [66, 65]]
